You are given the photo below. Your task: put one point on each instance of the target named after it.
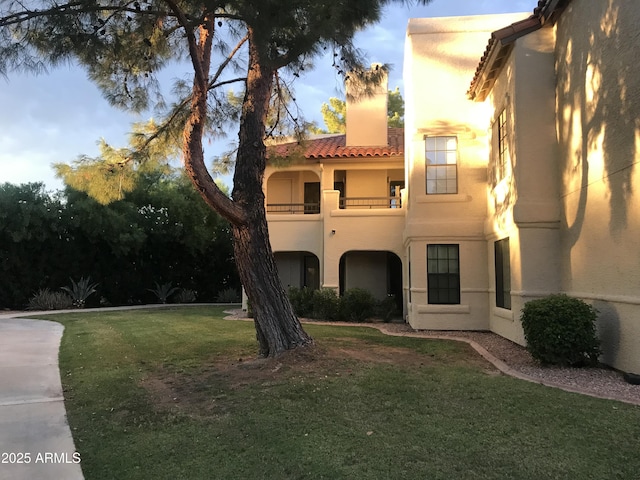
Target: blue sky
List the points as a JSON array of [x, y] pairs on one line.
[[57, 116]]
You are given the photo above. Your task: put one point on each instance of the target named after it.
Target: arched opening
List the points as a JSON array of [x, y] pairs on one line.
[[293, 192], [379, 272], [298, 269]]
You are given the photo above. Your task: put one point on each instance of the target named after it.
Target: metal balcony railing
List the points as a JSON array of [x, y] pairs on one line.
[[370, 202], [293, 208], [345, 203]]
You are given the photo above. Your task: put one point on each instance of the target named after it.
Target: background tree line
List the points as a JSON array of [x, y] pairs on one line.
[[161, 231]]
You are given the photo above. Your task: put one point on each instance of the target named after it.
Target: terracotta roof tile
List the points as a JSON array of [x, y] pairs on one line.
[[335, 147]]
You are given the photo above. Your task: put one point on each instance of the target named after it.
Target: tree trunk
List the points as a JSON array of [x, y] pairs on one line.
[[278, 329]]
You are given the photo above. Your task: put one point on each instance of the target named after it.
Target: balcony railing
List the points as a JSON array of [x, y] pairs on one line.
[[344, 203], [293, 208], [370, 202]]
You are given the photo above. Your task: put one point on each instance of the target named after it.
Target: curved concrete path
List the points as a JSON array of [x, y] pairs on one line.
[[35, 439]]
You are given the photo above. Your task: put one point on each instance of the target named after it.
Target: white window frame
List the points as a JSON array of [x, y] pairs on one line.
[[441, 164]]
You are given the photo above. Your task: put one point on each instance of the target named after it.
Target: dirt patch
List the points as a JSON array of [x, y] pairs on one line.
[[207, 391]]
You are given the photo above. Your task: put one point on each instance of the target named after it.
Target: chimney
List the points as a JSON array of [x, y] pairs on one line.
[[367, 110]]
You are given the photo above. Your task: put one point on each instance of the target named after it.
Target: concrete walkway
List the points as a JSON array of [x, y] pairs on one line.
[[35, 439]]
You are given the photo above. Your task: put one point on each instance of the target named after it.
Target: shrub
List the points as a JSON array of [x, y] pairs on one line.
[[301, 300], [357, 305], [163, 292], [560, 330], [325, 304], [186, 295], [79, 292], [45, 299], [228, 295]]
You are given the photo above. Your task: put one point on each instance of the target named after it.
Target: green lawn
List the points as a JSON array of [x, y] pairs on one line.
[[179, 394]]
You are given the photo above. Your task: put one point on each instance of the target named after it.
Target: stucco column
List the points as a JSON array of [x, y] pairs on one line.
[[331, 254]]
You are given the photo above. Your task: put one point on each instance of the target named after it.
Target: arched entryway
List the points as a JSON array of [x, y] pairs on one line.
[[293, 192], [298, 269], [379, 272]]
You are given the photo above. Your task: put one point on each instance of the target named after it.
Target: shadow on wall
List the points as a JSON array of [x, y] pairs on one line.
[[598, 84], [608, 331]]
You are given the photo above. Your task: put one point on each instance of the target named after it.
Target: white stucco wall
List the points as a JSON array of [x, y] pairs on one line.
[[366, 116], [524, 205], [598, 126], [441, 56], [366, 183]]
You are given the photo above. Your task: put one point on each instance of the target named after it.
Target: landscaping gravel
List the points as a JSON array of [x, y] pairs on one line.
[[513, 359], [599, 382]]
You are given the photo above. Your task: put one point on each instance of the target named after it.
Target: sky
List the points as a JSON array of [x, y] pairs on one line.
[[59, 115]]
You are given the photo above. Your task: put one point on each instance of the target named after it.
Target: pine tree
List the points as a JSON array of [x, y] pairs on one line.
[[334, 115], [395, 108], [122, 44]]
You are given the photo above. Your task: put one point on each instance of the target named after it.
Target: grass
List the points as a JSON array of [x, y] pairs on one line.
[[179, 394]]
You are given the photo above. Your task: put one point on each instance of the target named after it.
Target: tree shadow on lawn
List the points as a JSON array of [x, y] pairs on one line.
[[208, 390]]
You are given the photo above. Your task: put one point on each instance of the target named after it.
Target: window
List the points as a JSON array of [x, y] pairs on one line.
[[441, 164], [501, 155], [503, 274], [443, 274]]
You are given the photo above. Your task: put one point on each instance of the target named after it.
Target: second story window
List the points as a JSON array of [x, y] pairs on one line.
[[441, 164], [500, 146]]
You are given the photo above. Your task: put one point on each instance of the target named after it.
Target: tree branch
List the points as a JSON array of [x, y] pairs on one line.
[[69, 9], [194, 54], [179, 109], [200, 54]]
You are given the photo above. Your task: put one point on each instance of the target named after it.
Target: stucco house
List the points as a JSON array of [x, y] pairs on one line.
[[563, 89], [336, 216], [518, 177]]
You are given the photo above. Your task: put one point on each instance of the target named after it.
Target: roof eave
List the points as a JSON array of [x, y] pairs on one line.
[[498, 49]]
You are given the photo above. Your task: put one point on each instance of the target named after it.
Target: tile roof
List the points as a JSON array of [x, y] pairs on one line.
[[335, 147], [501, 42]]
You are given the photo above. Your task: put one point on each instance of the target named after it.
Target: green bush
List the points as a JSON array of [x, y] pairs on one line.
[[80, 291], [228, 295], [560, 330], [325, 304], [45, 299], [164, 291], [357, 305], [301, 300], [186, 295]]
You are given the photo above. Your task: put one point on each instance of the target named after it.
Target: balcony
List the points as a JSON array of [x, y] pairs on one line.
[[344, 203], [294, 208], [370, 202]]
